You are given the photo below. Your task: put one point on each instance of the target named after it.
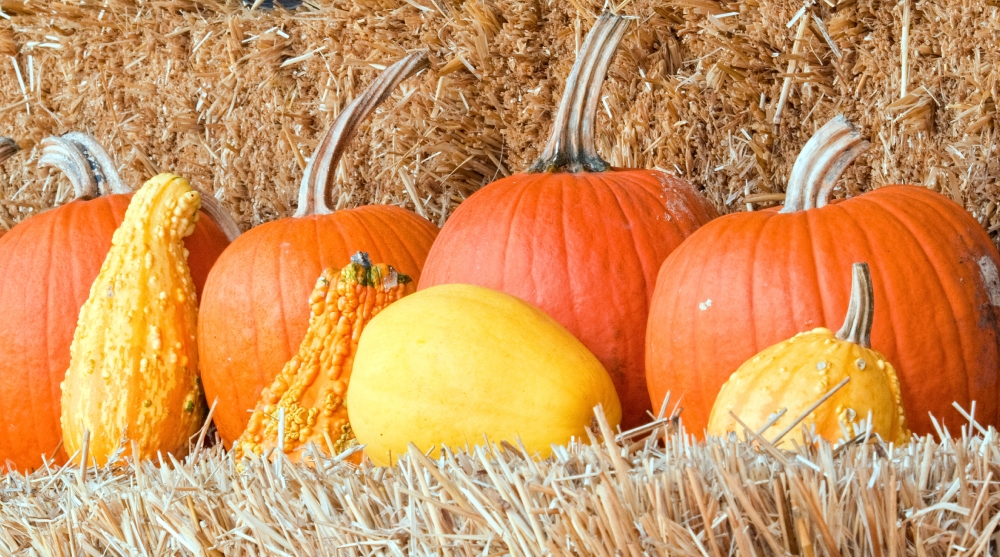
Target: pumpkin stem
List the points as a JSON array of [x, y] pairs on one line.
[[87, 165], [820, 163], [92, 172], [8, 147], [319, 181], [861, 311], [571, 146]]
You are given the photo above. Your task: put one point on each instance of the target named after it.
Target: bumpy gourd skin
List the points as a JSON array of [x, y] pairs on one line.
[[313, 384], [796, 373], [134, 357]]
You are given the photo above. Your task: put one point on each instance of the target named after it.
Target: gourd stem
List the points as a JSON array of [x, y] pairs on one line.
[[571, 146], [319, 181], [820, 163], [861, 310], [8, 147], [92, 172]]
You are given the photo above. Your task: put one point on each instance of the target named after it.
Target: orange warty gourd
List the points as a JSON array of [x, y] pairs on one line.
[[311, 389], [604, 232], [748, 280], [254, 312], [834, 383], [47, 265], [133, 371]]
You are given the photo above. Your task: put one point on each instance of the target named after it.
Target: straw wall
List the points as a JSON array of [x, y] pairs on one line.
[[236, 100]]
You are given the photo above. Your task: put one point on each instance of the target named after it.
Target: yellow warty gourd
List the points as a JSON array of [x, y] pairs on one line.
[[794, 376], [453, 363], [134, 360]]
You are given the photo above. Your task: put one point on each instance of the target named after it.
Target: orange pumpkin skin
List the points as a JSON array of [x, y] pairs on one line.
[[47, 265], [603, 234], [255, 311], [749, 280]]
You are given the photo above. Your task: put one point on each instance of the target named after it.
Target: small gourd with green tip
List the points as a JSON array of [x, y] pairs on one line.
[[792, 376]]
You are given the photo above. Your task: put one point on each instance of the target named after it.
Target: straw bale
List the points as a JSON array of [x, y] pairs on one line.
[[236, 100], [638, 493]]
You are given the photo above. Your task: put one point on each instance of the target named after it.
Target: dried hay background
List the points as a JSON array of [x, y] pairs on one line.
[[622, 497], [236, 100]]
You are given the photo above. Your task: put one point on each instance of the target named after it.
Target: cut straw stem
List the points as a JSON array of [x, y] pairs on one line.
[[571, 146], [319, 181], [820, 163], [857, 326]]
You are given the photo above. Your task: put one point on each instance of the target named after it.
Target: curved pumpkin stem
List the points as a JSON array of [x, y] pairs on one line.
[[861, 311], [92, 172], [87, 165], [8, 148], [820, 163], [220, 215], [319, 181], [571, 146]]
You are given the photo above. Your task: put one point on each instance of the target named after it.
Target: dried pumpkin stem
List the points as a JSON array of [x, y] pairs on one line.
[[92, 172], [8, 147], [820, 163], [319, 182], [861, 311], [571, 146], [87, 165]]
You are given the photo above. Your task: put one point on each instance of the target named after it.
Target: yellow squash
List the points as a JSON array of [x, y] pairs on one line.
[[134, 361], [310, 389], [794, 375], [452, 363]]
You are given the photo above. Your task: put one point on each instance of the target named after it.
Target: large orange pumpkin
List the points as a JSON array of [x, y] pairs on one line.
[[574, 237], [749, 280], [255, 312], [47, 265]]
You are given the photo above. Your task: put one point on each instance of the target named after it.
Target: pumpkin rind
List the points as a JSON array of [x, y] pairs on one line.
[[47, 265], [134, 358], [749, 280], [450, 364], [603, 232], [254, 311], [312, 386], [794, 374]]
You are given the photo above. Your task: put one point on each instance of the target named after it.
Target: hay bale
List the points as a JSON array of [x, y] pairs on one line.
[[236, 100], [630, 494]]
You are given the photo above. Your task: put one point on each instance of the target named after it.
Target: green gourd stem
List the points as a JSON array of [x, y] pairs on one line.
[[8, 147], [820, 163], [571, 146], [861, 311], [92, 172], [319, 181]]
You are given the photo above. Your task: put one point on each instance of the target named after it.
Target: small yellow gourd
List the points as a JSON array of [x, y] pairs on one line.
[[134, 359], [311, 388], [796, 374]]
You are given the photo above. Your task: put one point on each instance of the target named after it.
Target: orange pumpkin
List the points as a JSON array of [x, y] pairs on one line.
[[254, 313], [749, 280], [574, 237], [47, 265], [310, 392]]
